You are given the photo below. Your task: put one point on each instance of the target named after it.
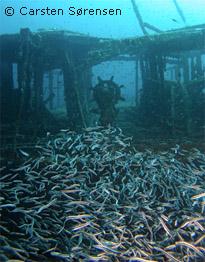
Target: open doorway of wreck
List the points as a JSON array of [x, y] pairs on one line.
[[46, 81], [166, 94]]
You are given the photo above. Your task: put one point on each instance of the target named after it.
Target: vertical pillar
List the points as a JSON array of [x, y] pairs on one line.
[[137, 83], [199, 65], [58, 86], [70, 97], [38, 87], [193, 73], [187, 106], [173, 109], [73, 93], [86, 92], [185, 62], [6, 86], [24, 73], [50, 88]]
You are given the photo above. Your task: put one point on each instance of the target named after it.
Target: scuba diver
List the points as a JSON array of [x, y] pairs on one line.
[[107, 94]]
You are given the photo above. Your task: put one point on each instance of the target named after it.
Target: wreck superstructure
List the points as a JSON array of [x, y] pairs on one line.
[[169, 77]]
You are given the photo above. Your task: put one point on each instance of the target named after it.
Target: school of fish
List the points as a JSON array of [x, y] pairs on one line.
[[93, 197]]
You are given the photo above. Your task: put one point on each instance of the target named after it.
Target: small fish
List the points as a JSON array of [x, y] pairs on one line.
[[192, 221], [4, 229], [78, 202], [21, 168], [165, 227], [78, 217], [105, 248], [97, 258], [198, 196], [23, 153], [190, 246], [81, 226], [59, 255], [46, 206], [139, 259], [50, 250], [8, 206], [168, 254], [2, 168], [71, 191]]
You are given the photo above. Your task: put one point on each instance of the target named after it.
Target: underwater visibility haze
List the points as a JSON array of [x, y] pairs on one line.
[[102, 130]]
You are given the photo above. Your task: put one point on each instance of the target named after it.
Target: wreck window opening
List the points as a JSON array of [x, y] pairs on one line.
[[203, 60], [169, 72], [124, 73], [53, 91]]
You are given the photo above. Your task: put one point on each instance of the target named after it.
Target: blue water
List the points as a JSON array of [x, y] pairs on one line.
[[160, 13]]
